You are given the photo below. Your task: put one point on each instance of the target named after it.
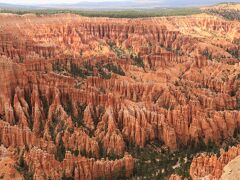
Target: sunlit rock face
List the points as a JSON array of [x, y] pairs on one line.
[[77, 93], [213, 167]]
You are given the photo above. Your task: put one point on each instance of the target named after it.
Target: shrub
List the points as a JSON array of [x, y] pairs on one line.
[[78, 121], [232, 93], [23, 168], [76, 152], [88, 67], [67, 177], [45, 104], [57, 67], [61, 151], [115, 69], [56, 120], [76, 71], [238, 103], [207, 54], [140, 13], [104, 75], [138, 61], [234, 52]]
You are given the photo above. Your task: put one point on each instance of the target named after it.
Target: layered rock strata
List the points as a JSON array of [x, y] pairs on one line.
[[78, 95]]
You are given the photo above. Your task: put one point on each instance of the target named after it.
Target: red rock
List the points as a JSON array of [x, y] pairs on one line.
[[212, 166], [183, 93]]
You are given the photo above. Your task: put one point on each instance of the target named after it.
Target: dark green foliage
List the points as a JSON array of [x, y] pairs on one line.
[[117, 50], [95, 117], [66, 178], [81, 52], [179, 52], [201, 145], [76, 71], [104, 75], [183, 170], [236, 132], [41, 127], [45, 104], [227, 14], [102, 151], [67, 104], [57, 125], [83, 72], [234, 52], [191, 150], [138, 61], [167, 107], [115, 69], [110, 155], [21, 162], [153, 158], [101, 71], [119, 174], [2, 116], [21, 59], [29, 102], [212, 147], [140, 13], [76, 152], [89, 68], [238, 77], [84, 153], [235, 140], [57, 67], [77, 86], [52, 133], [169, 48], [232, 93], [238, 103], [78, 121], [110, 68], [111, 44], [207, 54], [101, 178], [23, 168], [61, 151], [150, 161], [104, 71], [71, 130]]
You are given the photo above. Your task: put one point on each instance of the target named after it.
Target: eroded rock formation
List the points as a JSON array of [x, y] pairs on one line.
[[79, 95], [212, 166]]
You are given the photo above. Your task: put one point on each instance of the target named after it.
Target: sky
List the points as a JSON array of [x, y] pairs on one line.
[[50, 1], [32, 2]]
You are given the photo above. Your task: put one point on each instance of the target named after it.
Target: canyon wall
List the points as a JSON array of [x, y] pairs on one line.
[[80, 95], [211, 167]]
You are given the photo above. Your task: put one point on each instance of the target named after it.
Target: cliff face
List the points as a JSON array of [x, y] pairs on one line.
[[212, 166], [78, 93], [230, 171], [77, 167]]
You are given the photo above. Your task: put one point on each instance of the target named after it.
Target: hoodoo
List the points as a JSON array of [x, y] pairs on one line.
[[90, 98]]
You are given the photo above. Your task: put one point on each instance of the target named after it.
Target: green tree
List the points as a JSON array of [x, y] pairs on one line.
[[61, 151]]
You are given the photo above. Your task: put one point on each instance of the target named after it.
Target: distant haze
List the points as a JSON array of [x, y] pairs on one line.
[[109, 4]]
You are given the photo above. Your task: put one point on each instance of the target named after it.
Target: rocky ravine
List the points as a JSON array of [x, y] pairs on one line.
[[78, 93]]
